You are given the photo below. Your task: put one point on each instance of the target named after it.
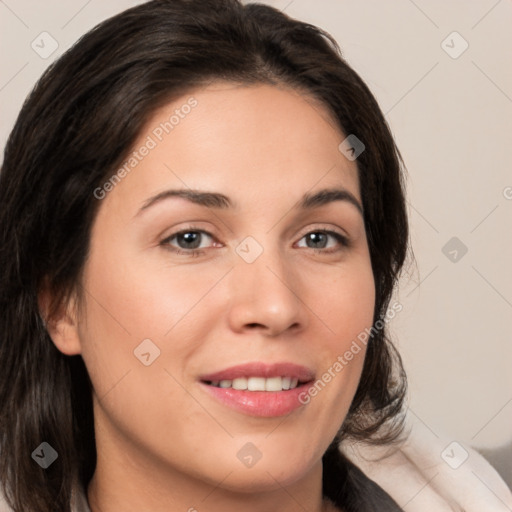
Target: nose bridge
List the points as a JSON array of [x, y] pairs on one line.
[[264, 287]]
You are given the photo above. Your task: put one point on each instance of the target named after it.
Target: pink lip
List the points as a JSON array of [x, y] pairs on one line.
[[262, 370], [265, 404]]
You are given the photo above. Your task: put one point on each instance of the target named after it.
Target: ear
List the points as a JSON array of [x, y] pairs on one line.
[[63, 325]]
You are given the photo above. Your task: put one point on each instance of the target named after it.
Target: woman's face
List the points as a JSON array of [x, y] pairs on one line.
[[253, 279]]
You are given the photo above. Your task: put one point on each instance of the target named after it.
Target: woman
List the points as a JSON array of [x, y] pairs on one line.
[[203, 221]]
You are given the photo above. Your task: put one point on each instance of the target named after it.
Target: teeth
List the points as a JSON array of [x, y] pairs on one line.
[[258, 383], [240, 383], [274, 384]]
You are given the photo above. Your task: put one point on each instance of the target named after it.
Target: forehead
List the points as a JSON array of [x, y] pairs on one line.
[[256, 143]]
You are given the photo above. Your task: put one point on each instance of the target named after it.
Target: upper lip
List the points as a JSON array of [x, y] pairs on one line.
[[259, 369]]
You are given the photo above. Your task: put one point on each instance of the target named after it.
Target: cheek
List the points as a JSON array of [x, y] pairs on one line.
[[344, 302], [127, 305], [133, 299], [345, 307]]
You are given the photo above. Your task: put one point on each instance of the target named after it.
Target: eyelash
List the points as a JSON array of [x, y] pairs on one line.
[[341, 239]]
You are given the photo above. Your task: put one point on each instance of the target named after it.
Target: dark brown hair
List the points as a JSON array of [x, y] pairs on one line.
[[74, 131]]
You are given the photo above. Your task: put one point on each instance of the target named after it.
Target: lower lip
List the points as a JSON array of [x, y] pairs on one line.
[[265, 404]]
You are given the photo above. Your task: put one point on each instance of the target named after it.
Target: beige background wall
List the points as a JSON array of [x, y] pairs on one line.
[[450, 111]]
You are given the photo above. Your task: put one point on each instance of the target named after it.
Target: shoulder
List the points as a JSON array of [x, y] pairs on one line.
[[426, 472]]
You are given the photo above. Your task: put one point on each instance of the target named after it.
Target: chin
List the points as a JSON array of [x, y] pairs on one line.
[[265, 477]]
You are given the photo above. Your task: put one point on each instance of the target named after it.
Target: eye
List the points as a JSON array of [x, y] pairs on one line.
[[319, 241], [189, 240]]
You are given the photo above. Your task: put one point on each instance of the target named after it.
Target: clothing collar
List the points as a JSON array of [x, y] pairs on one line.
[[79, 499]]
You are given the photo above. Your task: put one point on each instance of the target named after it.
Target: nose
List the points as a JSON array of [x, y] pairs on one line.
[[266, 296]]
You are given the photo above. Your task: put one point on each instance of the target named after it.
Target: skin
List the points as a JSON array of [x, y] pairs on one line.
[[163, 443]]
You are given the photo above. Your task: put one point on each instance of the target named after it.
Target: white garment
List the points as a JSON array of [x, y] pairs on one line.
[[425, 474], [429, 473]]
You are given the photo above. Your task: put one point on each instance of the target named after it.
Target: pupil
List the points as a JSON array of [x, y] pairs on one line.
[[190, 239], [317, 238]]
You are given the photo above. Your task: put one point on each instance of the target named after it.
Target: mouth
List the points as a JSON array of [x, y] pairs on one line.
[[258, 389]]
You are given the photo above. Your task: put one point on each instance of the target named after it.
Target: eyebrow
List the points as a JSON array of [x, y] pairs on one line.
[[216, 200]]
